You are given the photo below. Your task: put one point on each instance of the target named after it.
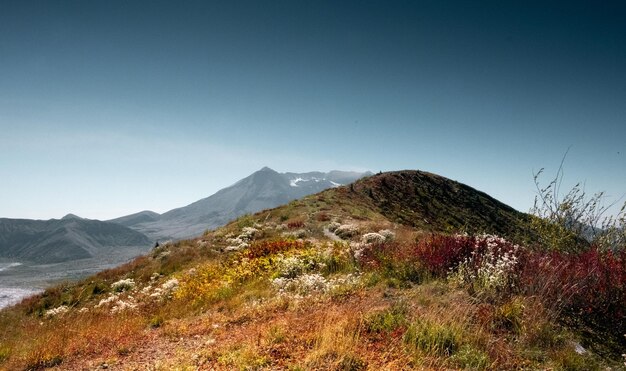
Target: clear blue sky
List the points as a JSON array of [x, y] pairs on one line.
[[112, 107]]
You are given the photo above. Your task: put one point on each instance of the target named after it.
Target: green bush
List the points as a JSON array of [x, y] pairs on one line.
[[156, 321], [510, 316], [573, 221], [431, 337], [5, 352], [387, 321], [468, 357]]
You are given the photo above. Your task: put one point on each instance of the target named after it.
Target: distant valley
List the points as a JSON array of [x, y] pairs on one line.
[[59, 240], [37, 253]]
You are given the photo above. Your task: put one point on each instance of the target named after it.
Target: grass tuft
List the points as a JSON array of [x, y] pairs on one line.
[[336, 345]]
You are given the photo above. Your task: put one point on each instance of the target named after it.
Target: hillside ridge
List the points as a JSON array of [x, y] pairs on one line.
[[262, 189], [351, 278], [429, 201]]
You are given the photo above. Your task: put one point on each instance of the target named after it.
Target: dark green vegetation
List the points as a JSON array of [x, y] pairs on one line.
[[430, 202]]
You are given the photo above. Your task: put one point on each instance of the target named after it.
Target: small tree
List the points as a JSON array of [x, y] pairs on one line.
[[572, 222]]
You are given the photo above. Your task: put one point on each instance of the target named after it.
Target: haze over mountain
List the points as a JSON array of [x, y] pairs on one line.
[[59, 240], [263, 189]]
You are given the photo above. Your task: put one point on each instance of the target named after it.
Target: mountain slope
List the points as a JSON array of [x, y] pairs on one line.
[[70, 238], [263, 189], [137, 218], [349, 278], [431, 202]]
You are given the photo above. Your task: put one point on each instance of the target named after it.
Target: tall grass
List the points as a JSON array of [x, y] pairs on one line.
[[585, 288], [337, 345]]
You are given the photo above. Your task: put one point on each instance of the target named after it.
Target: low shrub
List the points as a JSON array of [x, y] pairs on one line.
[[510, 316], [322, 217], [295, 224], [123, 285], [347, 231], [440, 254], [5, 352], [393, 261], [590, 286], [265, 248], [244, 357], [387, 321], [471, 358], [373, 238], [431, 337]]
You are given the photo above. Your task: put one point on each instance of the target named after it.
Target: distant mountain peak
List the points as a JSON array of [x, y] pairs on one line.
[[71, 216], [264, 189]]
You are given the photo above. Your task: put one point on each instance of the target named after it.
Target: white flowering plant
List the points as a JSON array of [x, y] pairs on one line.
[[388, 234], [242, 241], [164, 291], [301, 262], [315, 283], [373, 238], [57, 311], [347, 231], [491, 268], [123, 285]]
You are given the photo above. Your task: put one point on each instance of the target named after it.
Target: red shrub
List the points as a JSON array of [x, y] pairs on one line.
[[590, 286], [436, 254], [378, 255], [322, 217], [440, 253], [295, 224]]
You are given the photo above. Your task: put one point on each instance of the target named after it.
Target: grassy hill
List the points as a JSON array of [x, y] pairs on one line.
[[368, 276]]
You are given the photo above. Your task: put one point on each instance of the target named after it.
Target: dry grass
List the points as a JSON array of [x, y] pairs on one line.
[[52, 341], [453, 331], [337, 344], [391, 321]]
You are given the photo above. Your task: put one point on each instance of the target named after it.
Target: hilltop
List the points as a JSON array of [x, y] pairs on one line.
[[399, 270], [430, 202]]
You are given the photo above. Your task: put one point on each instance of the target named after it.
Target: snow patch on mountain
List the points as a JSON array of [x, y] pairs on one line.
[[297, 182], [294, 182]]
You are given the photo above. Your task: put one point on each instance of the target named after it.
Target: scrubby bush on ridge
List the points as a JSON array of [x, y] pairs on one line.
[[573, 222]]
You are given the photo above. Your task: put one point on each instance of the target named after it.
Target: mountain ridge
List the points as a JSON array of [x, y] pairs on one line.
[[265, 188], [59, 240], [73, 237], [433, 202]]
